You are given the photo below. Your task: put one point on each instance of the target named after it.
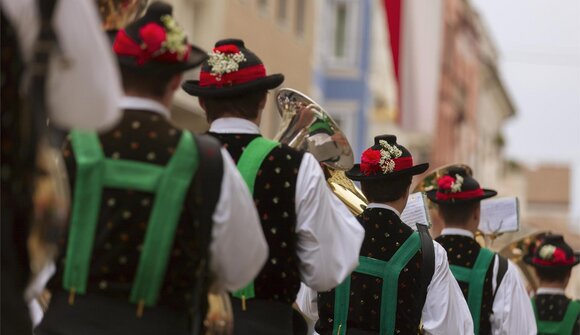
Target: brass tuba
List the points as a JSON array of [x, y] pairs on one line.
[[307, 127], [116, 14]]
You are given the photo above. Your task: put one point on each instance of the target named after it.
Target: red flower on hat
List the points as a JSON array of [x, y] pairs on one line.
[[559, 256], [369, 162], [445, 182], [153, 36]]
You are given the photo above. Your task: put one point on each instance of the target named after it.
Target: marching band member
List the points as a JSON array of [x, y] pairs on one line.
[[155, 209], [553, 261], [82, 90], [311, 235], [490, 283], [403, 277]]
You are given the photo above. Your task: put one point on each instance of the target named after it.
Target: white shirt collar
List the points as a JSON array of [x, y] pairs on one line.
[[233, 125], [377, 205], [457, 231], [139, 103], [550, 290]]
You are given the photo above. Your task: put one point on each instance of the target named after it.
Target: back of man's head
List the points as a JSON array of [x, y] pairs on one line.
[[458, 214], [246, 106], [386, 190]]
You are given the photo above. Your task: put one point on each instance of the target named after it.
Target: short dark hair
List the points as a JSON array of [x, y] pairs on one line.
[[553, 275], [457, 214], [154, 85], [385, 190], [245, 106]]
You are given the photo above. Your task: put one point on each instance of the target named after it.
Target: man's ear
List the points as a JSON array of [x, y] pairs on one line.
[[477, 212], [263, 101], [175, 82]]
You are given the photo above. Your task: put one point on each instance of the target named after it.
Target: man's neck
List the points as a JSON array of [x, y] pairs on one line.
[[552, 284], [165, 101], [399, 205]]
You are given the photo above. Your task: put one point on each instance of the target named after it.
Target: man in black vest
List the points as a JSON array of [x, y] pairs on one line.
[[395, 287], [491, 284], [156, 210], [553, 261], [312, 236]]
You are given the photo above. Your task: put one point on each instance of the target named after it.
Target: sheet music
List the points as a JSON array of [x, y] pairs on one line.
[[499, 215], [416, 211]]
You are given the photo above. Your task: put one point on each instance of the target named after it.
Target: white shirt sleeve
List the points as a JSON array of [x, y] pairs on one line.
[[445, 310], [329, 236], [512, 309], [83, 86], [307, 302], [238, 248]]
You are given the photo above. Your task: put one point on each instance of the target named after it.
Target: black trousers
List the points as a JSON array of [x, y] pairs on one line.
[[266, 317], [94, 314]]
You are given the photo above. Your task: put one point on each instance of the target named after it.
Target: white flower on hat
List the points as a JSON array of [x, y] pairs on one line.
[[176, 39], [388, 153], [222, 63], [456, 186]]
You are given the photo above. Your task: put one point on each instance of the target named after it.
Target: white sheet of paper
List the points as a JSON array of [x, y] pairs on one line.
[[499, 215], [416, 211]]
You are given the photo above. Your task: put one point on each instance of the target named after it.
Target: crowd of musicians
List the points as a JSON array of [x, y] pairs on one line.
[[160, 217]]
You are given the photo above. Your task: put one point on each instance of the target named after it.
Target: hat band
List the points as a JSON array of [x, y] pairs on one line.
[[401, 163], [460, 195], [565, 262], [241, 76], [126, 46]]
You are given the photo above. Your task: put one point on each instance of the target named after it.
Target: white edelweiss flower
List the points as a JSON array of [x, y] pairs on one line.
[[547, 252], [456, 186]]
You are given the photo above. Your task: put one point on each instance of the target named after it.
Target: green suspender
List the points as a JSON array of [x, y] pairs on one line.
[[169, 184], [475, 277], [389, 272], [564, 327], [248, 165]]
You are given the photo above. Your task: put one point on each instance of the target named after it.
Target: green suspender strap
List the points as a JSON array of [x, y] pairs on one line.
[[389, 272], [248, 165], [564, 327], [475, 277], [94, 173]]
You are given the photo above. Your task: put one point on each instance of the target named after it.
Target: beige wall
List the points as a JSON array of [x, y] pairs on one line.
[[278, 45]]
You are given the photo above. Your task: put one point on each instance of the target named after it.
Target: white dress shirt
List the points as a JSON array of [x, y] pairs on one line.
[[329, 236], [512, 309], [238, 249], [83, 87], [445, 310]]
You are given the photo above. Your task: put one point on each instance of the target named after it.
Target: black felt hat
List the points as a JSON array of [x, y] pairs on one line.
[[553, 252], [386, 159], [457, 186], [156, 44], [231, 70]]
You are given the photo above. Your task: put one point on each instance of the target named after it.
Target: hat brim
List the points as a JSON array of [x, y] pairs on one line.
[[528, 260], [196, 57], [192, 87], [487, 193], [356, 174]]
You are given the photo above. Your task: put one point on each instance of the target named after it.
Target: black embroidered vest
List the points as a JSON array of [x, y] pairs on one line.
[[124, 214], [384, 234], [274, 196], [552, 307], [463, 251]]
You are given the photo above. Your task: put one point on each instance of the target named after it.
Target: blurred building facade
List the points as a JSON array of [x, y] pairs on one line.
[[280, 32]]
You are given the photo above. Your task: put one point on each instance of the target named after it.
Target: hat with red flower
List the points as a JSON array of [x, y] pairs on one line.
[[457, 186], [385, 159], [553, 252], [231, 70], [156, 44]]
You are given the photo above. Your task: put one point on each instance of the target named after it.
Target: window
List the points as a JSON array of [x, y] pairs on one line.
[[282, 13], [300, 13], [263, 6], [340, 31], [343, 32]]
